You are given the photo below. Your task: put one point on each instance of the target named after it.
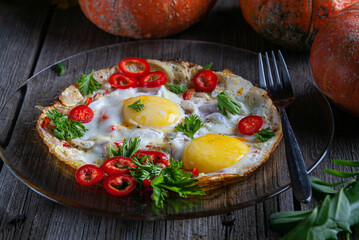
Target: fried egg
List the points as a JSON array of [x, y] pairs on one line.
[[218, 150]]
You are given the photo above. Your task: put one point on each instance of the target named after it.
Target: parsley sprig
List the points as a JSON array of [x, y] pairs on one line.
[[66, 128], [228, 104], [127, 149], [137, 106], [338, 211], [176, 88], [190, 125], [171, 178], [264, 134], [88, 84]]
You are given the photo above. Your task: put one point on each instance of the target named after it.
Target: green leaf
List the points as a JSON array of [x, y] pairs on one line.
[[317, 186], [207, 67], [346, 163], [226, 103], [190, 125], [88, 84], [340, 173], [264, 134], [66, 128], [321, 182], [284, 221], [352, 193], [128, 149], [340, 210], [137, 106], [60, 69], [176, 88]]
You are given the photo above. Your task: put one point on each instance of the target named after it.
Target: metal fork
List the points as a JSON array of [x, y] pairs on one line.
[[282, 95]]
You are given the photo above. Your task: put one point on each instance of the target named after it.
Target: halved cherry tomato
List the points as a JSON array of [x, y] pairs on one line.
[[88, 175], [81, 113], [188, 94], [155, 156], [119, 185], [122, 81], [250, 124], [116, 165], [153, 79], [46, 122], [205, 81], [134, 67]]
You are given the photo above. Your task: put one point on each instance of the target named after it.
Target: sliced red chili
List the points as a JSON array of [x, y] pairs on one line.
[[155, 156], [66, 144], [122, 81], [250, 124], [46, 122], [116, 165], [194, 172], [81, 113], [118, 143], [188, 94], [112, 128], [147, 184], [153, 79], [119, 185], [88, 175], [88, 101], [134, 67], [205, 81]]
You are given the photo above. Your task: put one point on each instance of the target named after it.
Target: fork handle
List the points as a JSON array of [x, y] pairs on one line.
[[297, 170]]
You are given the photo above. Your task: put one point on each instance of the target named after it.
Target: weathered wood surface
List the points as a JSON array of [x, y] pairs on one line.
[[35, 34]]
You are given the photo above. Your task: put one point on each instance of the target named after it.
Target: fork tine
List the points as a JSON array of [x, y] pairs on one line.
[[285, 74], [277, 77], [269, 75], [262, 77]]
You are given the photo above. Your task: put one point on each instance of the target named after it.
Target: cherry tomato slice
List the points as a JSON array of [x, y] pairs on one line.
[[153, 79], [122, 81], [250, 124], [188, 94], [46, 122], [88, 175], [81, 113], [155, 156], [135, 67], [119, 185], [205, 81], [116, 165]]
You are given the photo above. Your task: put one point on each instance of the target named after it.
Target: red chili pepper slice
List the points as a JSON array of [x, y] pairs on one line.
[[66, 144], [88, 175], [116, 165], [155, 156], [88, 101], [250, 124], [188, 94], [147, 184], [122, 81], [46, 122], [134, 67], [119, 185], [205, 81], [118, 143], [81, 113], [153, 79], [194, 172]]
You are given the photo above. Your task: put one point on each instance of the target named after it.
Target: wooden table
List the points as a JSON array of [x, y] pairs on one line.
[[34, 34]]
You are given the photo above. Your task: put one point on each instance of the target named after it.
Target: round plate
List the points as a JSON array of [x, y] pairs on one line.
[[26, 155]]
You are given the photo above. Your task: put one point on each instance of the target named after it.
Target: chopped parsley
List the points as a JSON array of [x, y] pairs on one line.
[[88, 84], [264, 134], [190, 125], [137, 106], [176, 88], [228, 104], [127, 149]]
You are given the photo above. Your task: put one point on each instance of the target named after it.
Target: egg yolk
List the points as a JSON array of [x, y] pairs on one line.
[[212, 152], [157, 111]]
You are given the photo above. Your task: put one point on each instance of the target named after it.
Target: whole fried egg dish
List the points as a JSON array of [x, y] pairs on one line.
[[218, 126]]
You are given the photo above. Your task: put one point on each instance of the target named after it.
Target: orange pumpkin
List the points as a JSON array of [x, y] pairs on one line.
[[292, 24], [145, 18], [334, 59]]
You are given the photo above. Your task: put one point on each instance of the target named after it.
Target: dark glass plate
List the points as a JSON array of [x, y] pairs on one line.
[[27, 157]]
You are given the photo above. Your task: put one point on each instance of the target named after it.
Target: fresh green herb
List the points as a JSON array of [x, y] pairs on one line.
[[88, 84], [127, 149], [60, 69], [207, 67], [177, 88], [171, 178], [137, 106], [122, 186], [338, 211], [264, 134], [226, 103], [66, 128], [190, 125]]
